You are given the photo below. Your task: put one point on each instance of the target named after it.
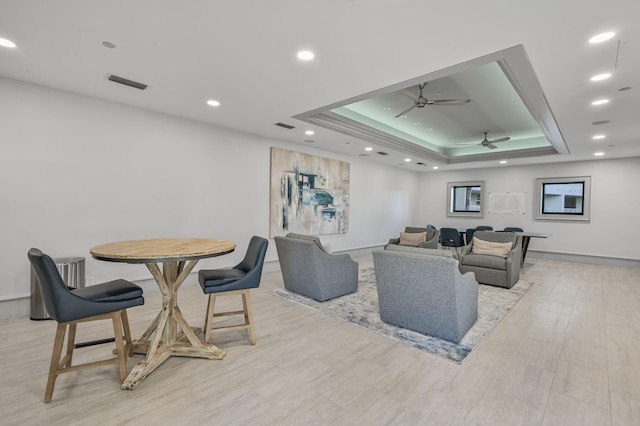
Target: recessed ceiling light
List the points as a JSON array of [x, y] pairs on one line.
[[368, 148], [601, 37], [503, 161], [601, 122], [596, 137], [598, 154], [435, 167], [407, 160], [306, 55], [600, 77], [386, 108], [623, 89], [7, 43], [417, 123], [213, 103], [108, 44], [309, 140], [600, 102], [309, 132], [403, 116]]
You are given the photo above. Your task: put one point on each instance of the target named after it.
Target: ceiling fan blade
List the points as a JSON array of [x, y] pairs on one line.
[[405, 111], [449, 102], [490, 145], [500, 140]]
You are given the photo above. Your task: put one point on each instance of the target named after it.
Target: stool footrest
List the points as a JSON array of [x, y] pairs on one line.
[[94, 342]]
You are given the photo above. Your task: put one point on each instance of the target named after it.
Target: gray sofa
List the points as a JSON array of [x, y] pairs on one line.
[[308, 270], [425, 292], [432, 237], [494, 270]]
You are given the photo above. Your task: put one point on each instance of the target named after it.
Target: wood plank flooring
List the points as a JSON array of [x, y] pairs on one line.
[[567, 354]]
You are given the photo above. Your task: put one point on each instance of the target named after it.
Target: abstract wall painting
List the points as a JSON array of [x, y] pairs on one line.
[[309, 194]]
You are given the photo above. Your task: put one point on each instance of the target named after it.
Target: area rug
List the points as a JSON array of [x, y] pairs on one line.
[[361, 308]]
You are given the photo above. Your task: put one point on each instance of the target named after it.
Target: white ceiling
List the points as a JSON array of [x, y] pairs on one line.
[[243, 53]]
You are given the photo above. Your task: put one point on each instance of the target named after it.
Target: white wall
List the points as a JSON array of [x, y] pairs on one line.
[[76, 172], [612, 231]]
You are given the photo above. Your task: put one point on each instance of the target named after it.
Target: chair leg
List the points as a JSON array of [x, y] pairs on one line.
[[55, 361], [248, 315], [247, 312], [122, 356], [127, 333], [71, 341], [208, 320]]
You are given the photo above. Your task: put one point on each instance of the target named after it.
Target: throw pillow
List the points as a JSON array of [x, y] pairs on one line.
[[411, 239], [490, 247]]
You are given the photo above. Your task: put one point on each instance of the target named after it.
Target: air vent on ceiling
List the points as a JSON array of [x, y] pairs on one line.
[[286, 126], [127, 82], [382, 153]]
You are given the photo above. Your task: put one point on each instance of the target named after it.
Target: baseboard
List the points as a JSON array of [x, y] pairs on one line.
[[583, 258], [15, 308]]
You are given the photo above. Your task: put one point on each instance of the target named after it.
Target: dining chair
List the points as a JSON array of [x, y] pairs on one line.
[[69, 307], [512, 229], [450, 237], [484, 228], [234, 281], [468, 235]]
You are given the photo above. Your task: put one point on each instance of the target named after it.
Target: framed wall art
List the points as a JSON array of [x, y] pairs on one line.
[[309, 194]]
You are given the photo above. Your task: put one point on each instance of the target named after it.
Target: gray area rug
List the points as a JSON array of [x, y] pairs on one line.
[[361, 308]]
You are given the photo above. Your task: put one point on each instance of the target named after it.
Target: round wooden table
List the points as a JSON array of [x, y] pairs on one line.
[[178, 257]]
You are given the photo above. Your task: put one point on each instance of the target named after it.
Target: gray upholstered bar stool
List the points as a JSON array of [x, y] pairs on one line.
[[72, 306], [234, 281]]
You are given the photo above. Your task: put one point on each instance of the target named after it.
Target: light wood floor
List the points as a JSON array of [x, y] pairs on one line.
[[568, 353]]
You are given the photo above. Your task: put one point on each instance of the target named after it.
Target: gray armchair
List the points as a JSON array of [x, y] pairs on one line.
[[494, 270], [432, 236], [308, 270], [425, 293]]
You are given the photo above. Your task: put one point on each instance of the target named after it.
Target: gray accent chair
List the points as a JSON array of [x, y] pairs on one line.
[[433, 235], [426, 293], [308, 270], [494, 270]]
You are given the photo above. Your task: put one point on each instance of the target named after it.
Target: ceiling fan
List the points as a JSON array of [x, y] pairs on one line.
[[421, 101], [487, 143]]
